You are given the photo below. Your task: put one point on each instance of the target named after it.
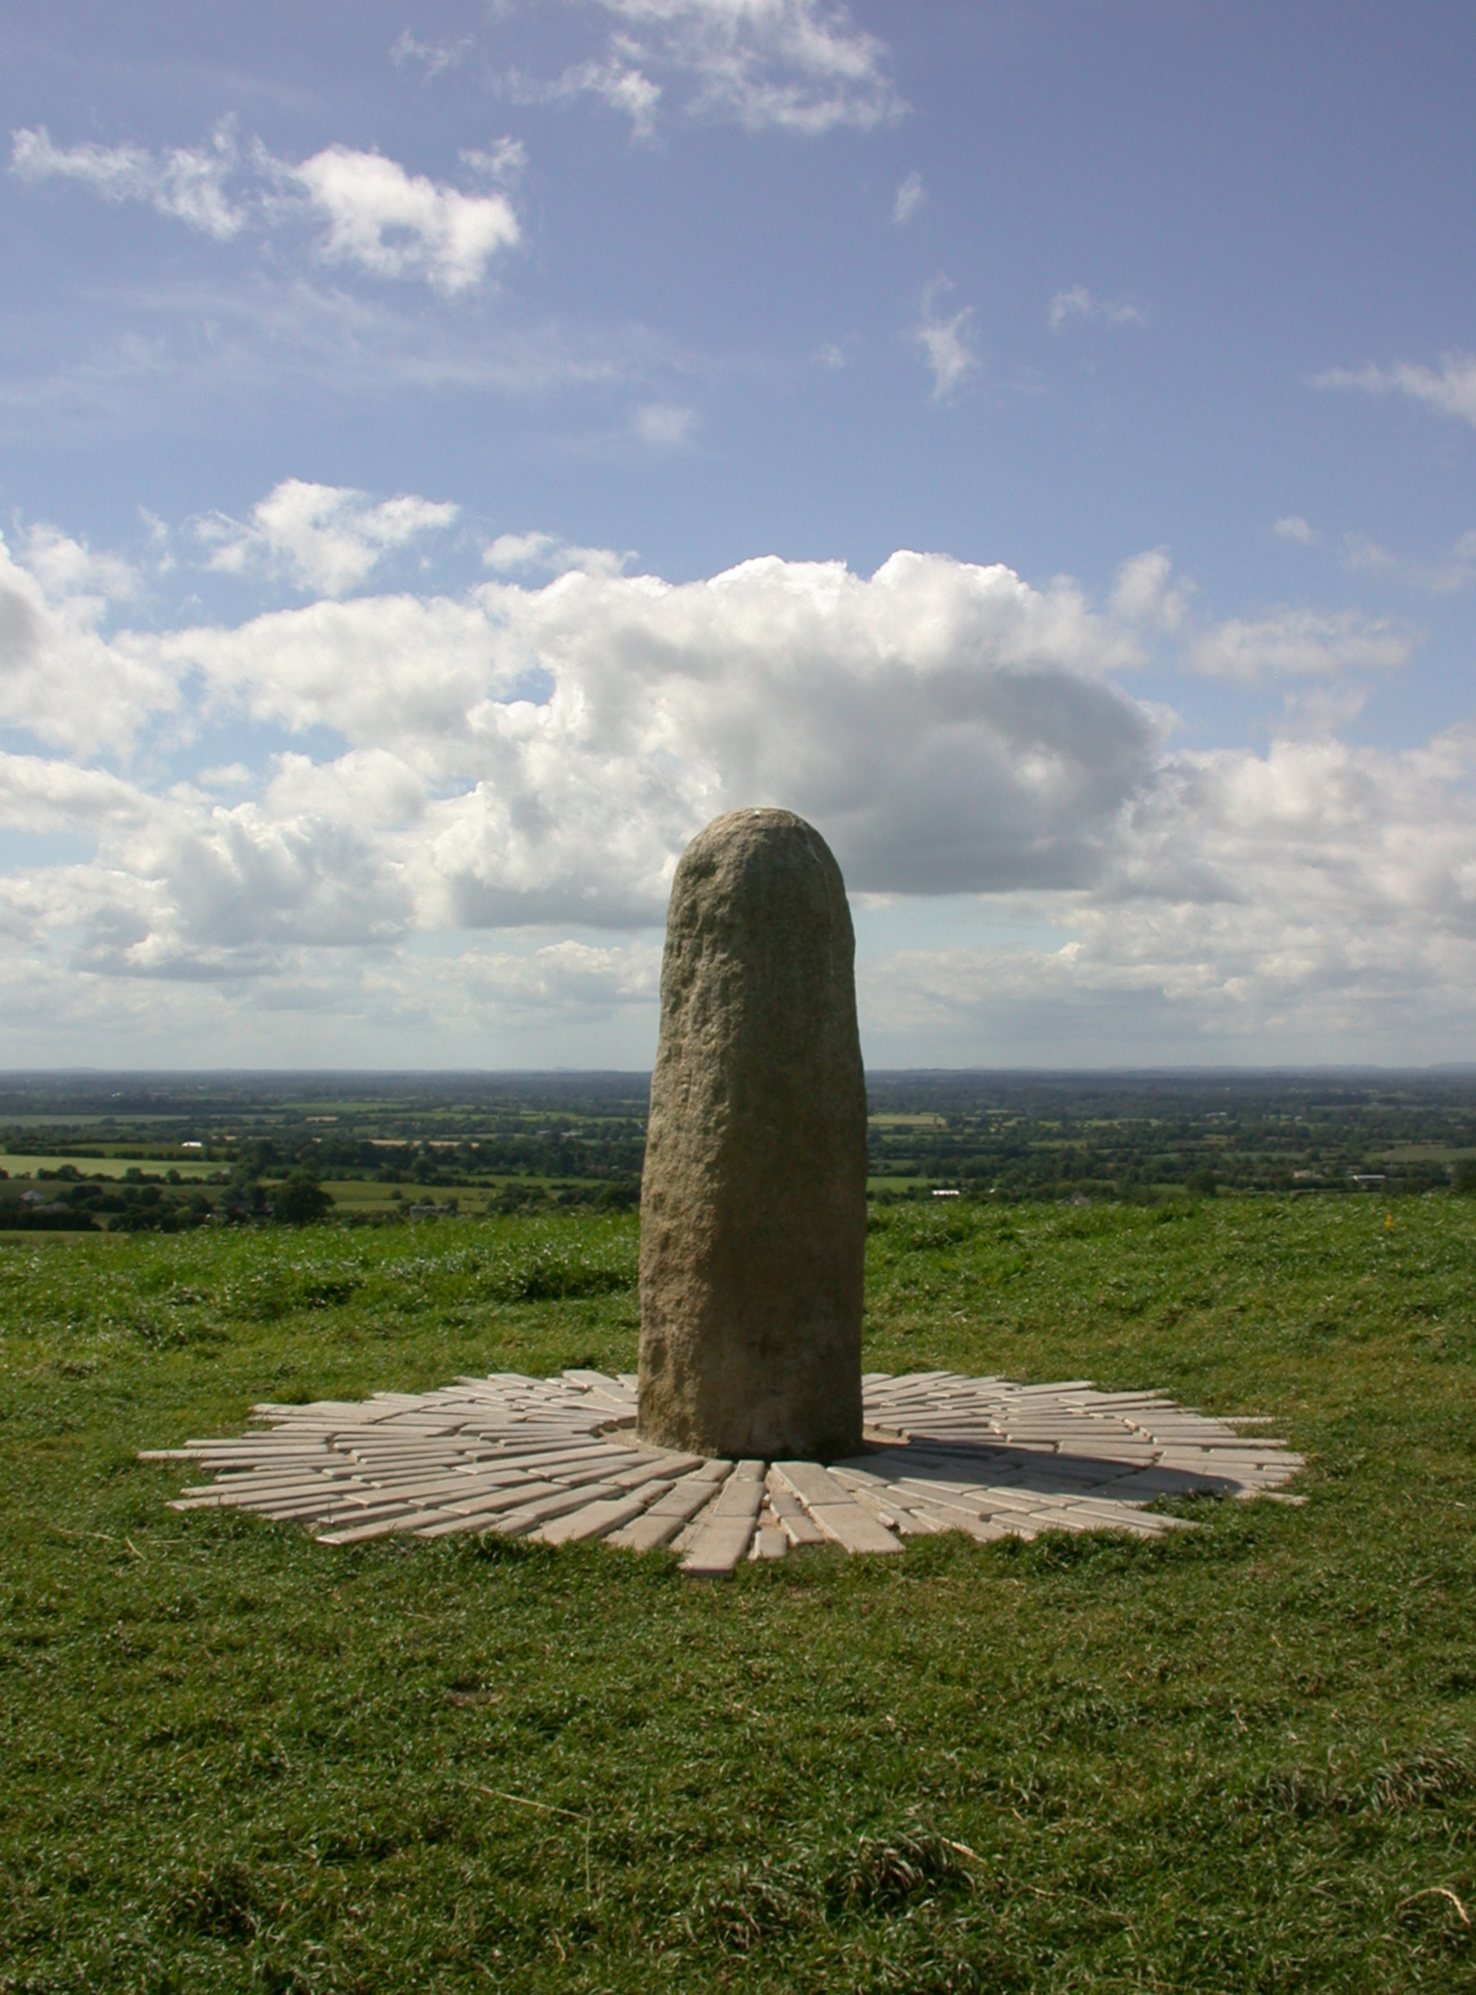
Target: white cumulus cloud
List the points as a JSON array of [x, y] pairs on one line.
[[374, 669], [546, 552], [61, 680], [950, 726], [324, 538], [398, 224], [1145, 594], [39, 793], [566, 977]]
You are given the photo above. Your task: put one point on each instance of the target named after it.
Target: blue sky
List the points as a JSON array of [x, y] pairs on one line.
[[450, 452]]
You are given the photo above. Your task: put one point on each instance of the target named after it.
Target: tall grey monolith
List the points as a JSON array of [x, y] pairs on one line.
[[753, 1201]]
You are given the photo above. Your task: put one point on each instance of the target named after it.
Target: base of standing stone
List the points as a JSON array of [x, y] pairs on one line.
[[558, 1460]]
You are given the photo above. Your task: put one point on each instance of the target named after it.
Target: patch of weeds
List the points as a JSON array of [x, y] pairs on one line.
[[922, 1961], [548, 1717], [209, 1730], [1428, 1779], [259, 1764], [180, 1335], [328, 1294], [224, 1900], [1434, 1777], [496, 1548], [747, 1905], [888, 1873], [1086, 1716], [911, 1870], [1075, 1551], [1301, 1792], [554, 1273]]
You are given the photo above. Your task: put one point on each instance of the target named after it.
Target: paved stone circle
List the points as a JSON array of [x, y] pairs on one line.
[[558, 1459]]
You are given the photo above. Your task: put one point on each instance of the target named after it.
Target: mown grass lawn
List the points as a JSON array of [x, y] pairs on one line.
[[1243, 1758]]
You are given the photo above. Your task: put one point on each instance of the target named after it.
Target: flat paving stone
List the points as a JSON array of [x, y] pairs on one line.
[[648, 1533], [800, 1528], [559, 1460], [594, 1520], [717, 1545]]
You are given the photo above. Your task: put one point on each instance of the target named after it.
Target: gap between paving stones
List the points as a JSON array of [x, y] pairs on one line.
[[558, 1460]]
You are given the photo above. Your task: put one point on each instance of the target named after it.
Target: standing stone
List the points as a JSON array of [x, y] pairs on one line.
[[753, 1201]]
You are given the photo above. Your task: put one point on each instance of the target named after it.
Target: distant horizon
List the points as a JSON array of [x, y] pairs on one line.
[[537, 1073]]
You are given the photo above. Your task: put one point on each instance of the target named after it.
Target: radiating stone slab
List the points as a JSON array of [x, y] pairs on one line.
[[717, 1546], [647, 1533], [593, 1520]]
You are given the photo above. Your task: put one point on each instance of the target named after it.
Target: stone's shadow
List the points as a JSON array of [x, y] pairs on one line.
[[921, 1458], [1042, 1471]]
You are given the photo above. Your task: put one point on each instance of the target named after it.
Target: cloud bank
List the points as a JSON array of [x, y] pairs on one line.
[[470, 804]]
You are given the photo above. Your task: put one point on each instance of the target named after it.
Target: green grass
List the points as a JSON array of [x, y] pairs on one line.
[[1243, 1758]]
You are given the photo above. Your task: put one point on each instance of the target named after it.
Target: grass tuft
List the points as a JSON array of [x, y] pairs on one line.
[[225, 1900], [888, 1873]]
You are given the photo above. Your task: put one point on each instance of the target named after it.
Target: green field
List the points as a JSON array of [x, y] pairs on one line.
[[1242, 1758]]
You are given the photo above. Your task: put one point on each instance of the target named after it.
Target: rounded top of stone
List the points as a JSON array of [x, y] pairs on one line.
[[755, 827], [758, 842], [755, 817]]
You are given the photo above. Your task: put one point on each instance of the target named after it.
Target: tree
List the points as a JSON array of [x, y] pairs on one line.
[[300, 1199]]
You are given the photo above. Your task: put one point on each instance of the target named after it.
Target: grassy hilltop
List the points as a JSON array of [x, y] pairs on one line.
[[1242, 1758]]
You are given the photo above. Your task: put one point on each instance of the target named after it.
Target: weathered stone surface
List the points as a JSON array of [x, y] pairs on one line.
[[753, 1202]]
